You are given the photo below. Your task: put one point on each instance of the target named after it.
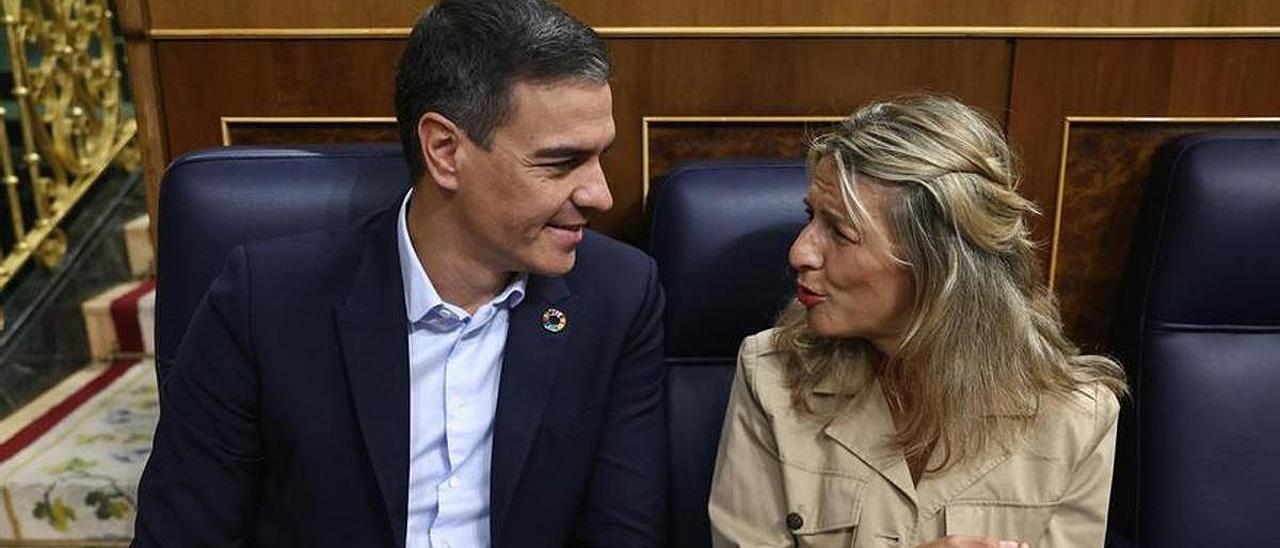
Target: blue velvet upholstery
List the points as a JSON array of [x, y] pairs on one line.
[[720, 235], [213, 199], [1199, 334]]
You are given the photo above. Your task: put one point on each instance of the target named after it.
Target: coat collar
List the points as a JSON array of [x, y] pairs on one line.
[[866, 429]]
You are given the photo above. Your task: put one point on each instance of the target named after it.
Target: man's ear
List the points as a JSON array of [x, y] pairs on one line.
[[440, 140]]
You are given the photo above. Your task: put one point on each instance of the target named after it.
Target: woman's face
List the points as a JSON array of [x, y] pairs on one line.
[[845, 276]]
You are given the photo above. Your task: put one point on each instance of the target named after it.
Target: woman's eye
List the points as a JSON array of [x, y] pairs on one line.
[[847, 236], [808, 213]]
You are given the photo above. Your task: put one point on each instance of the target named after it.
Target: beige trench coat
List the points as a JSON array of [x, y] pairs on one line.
[[786, 479]]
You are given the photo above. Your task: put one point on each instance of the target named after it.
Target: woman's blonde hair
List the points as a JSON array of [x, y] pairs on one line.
[[984, 342]]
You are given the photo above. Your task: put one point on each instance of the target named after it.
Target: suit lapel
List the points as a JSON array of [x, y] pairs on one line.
[[374, 335], [531, 359]]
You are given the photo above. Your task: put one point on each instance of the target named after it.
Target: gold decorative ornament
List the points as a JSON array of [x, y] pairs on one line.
[[66, 83], [53, 248]]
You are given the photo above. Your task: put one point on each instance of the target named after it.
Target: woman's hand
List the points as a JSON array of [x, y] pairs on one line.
[[963, 541]]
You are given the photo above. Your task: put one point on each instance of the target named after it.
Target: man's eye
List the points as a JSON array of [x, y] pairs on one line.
[[562, 165]]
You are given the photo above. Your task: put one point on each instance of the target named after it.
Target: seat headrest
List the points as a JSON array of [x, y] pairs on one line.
[[1214, 259], [720, 235], [212, 200]]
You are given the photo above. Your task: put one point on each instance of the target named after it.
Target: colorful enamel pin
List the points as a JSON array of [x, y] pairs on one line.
[[554, 320]]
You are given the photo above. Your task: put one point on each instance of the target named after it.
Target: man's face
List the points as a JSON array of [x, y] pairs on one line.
[[527, 198]]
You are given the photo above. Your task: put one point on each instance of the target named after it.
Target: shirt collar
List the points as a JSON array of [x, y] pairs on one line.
[[420, 296]]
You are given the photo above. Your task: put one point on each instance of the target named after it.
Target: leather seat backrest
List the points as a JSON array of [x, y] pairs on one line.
[[720, 235], [1199, 334], [214, 199]]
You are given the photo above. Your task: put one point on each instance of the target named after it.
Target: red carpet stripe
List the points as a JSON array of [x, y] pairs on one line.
[[124, 315], [32, 432]]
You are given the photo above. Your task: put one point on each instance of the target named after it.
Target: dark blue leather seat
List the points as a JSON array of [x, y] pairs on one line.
[[1199, 334], [213, 199], [720, 235]]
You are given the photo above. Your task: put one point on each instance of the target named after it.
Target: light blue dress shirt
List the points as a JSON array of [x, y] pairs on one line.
[[455, 359]]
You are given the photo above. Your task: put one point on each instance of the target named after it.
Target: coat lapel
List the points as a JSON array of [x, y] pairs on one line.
[[374, 335], [531, 359], [866, 430]]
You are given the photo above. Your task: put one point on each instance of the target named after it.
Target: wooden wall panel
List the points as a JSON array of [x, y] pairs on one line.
[[208, 79], [1031, 83], [1054, 79], [401, 13], [1106, 171], [676, 140], [205, 80], [773, 77], [286, 131], [144, 77]]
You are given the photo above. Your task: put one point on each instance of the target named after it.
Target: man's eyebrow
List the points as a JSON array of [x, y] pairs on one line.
[[567, 151]]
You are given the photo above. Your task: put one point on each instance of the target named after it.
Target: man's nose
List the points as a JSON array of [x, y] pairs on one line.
[[593, 193]]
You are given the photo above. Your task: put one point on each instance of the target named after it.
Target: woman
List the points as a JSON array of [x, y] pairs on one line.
[[920, 392]]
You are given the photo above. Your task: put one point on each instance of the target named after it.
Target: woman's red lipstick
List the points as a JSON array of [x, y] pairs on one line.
[[807, 297]]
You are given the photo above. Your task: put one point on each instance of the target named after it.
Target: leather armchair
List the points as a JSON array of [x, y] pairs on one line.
[[720, 235], [1199, 334], [214, 199]]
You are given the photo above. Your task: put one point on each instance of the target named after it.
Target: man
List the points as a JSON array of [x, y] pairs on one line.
[[468, 367]]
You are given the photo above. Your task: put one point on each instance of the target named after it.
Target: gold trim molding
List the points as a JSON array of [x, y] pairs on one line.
[[647, 120], [278, 33], [883, 31], [227, 121], [1066, 144]]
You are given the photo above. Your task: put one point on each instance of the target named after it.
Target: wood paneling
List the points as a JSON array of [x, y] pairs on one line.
[[1054, 79], [140, 64], [678, 141], [771, 77], [1031, 84], [292, 132], [401, 13], [208, 79], [1107, 168]]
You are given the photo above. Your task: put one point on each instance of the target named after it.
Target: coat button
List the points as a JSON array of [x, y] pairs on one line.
[[794, 521]]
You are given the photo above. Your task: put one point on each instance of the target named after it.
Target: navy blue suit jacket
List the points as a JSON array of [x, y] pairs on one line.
[[285, 421]]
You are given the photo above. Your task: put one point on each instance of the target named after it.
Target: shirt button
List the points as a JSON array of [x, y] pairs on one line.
[[453, 482], [794, 521]]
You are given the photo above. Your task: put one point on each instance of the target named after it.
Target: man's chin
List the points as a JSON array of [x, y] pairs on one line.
[[554, 265]]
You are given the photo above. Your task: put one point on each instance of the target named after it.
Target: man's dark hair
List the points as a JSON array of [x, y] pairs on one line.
[[464, 55]]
